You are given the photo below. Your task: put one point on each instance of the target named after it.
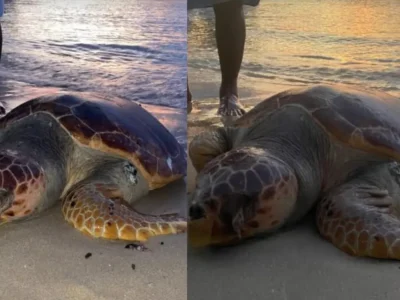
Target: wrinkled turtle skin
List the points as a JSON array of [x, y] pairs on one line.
[[98, 155], [333, 147]]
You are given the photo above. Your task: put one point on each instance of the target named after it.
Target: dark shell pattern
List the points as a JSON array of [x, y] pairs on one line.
[[123, 127], [366, 120]]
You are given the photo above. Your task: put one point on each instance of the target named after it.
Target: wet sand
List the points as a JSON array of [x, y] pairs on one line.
[[44, 258], [293, 265]]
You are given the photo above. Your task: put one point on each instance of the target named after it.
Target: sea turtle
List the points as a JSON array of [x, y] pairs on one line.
[[97, 155], [333, 146]]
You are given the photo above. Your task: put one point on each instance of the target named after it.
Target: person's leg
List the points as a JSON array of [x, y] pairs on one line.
[[230, 35], [189, 98], [1, 40], [2, 109], [189, 94]]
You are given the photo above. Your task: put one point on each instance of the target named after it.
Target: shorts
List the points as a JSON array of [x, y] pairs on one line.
[[193, 4]]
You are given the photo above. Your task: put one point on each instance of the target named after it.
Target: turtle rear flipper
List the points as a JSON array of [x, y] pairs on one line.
[[362, 216]]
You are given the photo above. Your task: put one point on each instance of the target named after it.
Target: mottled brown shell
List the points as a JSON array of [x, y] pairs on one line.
[[368, 121], [115, 126]]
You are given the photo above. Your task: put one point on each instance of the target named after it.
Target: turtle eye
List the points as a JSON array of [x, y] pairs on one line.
[[131, 172]]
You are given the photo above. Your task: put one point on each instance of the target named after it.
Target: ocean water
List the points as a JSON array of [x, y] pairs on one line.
[[131, 49], [297, 42]]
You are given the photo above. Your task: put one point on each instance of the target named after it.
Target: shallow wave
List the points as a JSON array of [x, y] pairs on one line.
[[385, 79], [387, 60], [106, 47], [381, 74], [140, 57], [316, 57], [136, 81]]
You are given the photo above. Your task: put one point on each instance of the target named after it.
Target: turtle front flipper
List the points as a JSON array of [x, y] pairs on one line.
[[99, 210], [100, 205], [362, 216]]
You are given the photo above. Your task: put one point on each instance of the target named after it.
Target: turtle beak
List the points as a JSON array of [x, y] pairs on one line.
[[205, 229], [200, 232], [207, 232], [199, 227]]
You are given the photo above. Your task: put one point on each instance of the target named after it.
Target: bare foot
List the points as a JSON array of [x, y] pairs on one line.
[[230, 109], [230, 106]]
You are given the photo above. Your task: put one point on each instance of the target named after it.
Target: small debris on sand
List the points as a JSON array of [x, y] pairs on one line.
[[88, 255], [162, 243], [133, 267], [136, 246]]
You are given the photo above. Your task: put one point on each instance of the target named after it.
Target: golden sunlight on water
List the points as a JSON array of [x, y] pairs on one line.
[[332, 28], [305, 42], [85, 24]]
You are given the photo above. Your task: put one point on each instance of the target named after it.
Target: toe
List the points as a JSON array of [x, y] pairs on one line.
[[239, 112], [222, 110]]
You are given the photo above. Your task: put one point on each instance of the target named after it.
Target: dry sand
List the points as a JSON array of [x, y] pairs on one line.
[[44, 258], [292, 265]]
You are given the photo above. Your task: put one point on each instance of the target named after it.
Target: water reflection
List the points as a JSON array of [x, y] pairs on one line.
[[133, 49], [310, 41]]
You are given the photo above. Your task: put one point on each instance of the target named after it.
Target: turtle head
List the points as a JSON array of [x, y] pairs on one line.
[[125, 175], [240, 194], [22, 183], [225, 198]]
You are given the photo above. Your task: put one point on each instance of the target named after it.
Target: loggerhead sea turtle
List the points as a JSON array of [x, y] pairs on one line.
[[332, 146], [98, 156]]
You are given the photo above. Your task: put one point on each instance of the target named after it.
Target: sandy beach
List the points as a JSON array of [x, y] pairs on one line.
[[293, 265], [44, 258]]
